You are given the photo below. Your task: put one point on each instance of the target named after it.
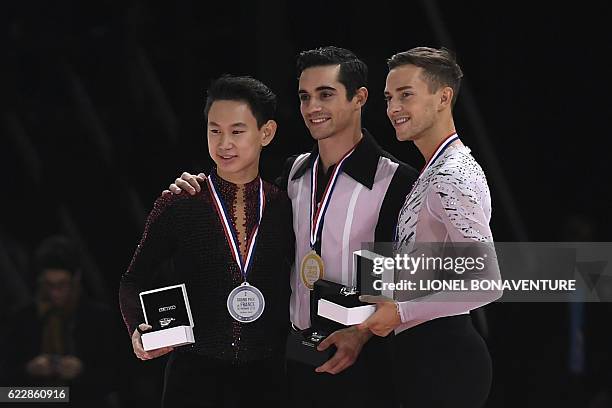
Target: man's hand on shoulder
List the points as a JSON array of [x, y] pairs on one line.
[[187, 182]]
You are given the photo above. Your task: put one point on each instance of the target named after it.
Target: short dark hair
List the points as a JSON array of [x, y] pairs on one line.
[[439, 66], [261, 100], [353, 71], [57, 252]]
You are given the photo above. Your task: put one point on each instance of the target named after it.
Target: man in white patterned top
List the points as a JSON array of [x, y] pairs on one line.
[[440, 360]]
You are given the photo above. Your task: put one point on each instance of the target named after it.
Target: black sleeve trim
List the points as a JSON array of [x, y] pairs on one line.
[[398, 189], [282, 181]]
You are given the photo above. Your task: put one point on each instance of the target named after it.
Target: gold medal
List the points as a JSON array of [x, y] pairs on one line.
[[312, 265], [312, 269]]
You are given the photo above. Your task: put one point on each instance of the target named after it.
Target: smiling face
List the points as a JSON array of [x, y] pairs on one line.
[[412, 107], [235, 141], [323, 103]]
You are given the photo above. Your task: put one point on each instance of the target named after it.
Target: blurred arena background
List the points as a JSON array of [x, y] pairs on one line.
[[102, 108]]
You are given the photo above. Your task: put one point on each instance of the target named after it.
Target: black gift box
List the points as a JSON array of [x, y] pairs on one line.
[[167, 311], [365, 271], [302, 346], [340, 304]]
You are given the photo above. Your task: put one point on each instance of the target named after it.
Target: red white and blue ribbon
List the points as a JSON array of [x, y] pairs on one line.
[[318, 214], [438, 152], [230, 232]]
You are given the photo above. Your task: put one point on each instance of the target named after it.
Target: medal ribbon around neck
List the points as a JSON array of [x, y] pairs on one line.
[[317, 216], [439, 150], [230, 232]]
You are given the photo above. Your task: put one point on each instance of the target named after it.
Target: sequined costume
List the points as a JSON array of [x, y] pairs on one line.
[[440, 360], [187, 230], [450, 202]]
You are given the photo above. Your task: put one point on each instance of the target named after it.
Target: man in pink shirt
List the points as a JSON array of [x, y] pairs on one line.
[[438, 355]]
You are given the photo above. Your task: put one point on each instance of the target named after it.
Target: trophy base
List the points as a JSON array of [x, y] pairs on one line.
[[171, 337]]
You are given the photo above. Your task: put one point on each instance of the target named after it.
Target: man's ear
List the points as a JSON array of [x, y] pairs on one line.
[[268, 132], [361, 97], [446, 97]]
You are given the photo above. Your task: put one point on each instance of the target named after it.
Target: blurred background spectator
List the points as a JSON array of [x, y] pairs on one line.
[[61, 337]]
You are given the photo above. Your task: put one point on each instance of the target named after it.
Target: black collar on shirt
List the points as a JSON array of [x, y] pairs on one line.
[[361, 165]]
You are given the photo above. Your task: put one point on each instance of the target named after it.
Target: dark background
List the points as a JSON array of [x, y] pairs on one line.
[[102, 109]]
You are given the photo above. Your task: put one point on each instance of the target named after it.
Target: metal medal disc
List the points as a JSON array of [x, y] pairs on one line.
[[311, 269], [245, 303]]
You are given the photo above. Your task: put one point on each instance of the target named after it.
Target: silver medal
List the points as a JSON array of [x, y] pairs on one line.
[[245, 303]]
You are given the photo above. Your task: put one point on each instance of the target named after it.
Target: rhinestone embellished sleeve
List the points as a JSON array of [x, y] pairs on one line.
[[449, 203], [459, 197]]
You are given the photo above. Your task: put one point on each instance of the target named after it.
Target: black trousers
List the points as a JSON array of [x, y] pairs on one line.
[[192, 380], [367, 383], [442, 363]]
